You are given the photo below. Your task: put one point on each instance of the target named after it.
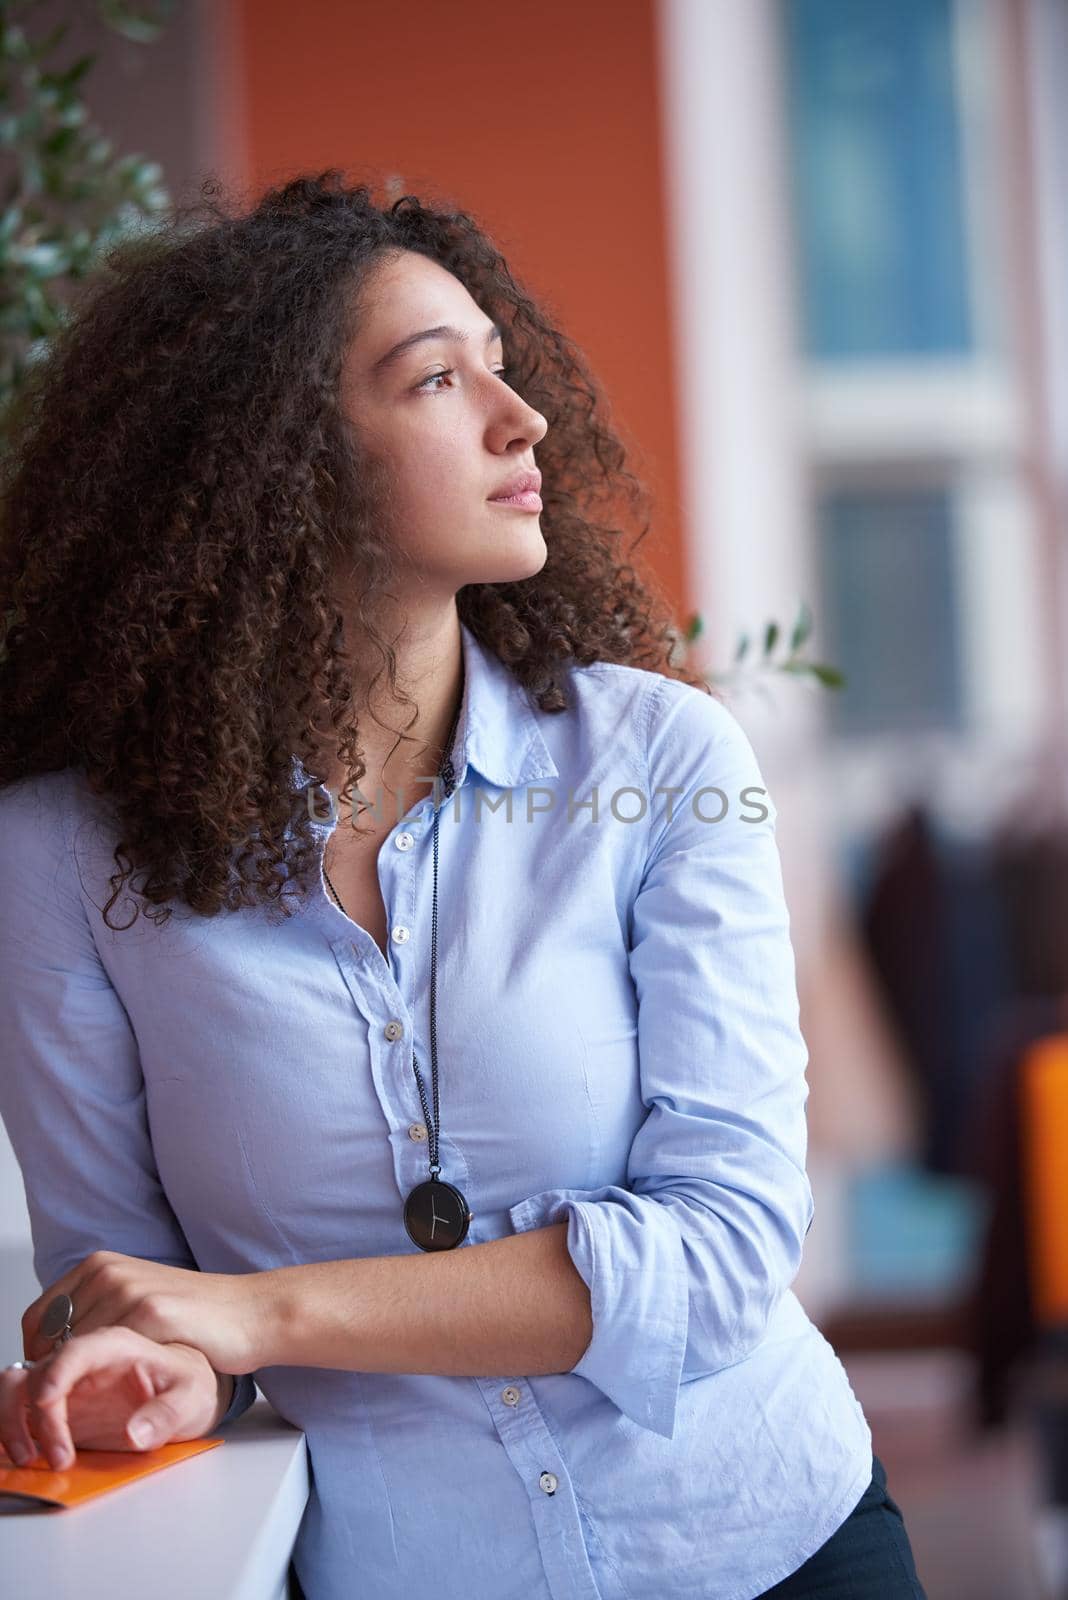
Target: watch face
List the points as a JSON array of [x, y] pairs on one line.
[[436, 1215]]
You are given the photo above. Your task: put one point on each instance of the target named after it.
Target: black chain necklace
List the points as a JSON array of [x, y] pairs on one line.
[[436, 1213]]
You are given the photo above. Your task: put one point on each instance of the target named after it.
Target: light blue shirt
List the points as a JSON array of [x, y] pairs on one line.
[[618, 1046]]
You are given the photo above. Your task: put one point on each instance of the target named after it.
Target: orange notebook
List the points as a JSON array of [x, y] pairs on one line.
[[94, 1472]]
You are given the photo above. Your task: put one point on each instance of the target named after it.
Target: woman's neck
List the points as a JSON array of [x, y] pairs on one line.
[[430, 668]]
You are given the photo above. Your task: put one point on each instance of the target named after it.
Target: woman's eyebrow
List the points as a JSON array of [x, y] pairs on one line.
[[444, 331]]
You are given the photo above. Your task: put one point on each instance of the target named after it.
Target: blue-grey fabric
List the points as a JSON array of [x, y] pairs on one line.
[[619, 1049]]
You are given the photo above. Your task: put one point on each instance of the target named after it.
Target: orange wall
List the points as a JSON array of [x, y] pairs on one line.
[[542, 121]]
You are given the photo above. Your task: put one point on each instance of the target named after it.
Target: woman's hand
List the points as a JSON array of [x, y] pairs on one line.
[[94, 1387], [228, 1316]]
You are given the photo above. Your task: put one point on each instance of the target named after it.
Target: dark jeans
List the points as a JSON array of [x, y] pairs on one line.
[[868, 1558]]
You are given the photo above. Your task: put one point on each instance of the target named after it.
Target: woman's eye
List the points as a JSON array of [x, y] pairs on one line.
[[500, 372], [433, 378]]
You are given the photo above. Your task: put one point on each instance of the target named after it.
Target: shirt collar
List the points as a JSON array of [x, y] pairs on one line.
[[497, 732]]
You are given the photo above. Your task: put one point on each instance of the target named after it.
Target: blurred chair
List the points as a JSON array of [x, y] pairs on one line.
[[1043, 1092]]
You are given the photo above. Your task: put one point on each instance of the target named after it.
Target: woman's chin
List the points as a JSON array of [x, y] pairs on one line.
[[524, 559]]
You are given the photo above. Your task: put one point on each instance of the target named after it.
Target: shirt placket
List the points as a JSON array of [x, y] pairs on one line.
[[542, 1470], [379, 987]]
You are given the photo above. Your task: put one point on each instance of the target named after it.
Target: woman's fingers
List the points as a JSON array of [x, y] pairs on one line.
[[47, 1407], [107, 1360], [15, 1435], [91, 1390]]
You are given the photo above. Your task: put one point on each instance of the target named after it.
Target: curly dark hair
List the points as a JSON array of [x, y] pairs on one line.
[[177, 475]]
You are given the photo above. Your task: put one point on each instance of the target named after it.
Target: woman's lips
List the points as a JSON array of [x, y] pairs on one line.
[[530, 501]]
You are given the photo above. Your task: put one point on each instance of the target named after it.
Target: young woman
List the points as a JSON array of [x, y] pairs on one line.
[[397, 990]]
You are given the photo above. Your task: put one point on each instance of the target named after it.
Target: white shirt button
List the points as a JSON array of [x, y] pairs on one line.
[[510, 1396], [417, 1131], [400, 935], [548, 1482], [394, 1029], [404, 841]]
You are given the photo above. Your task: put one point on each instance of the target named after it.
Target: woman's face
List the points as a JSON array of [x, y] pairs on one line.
[[449, 426]]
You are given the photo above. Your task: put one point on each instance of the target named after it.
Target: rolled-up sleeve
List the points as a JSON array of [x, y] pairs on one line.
[[686, 1263], [72, 1096]]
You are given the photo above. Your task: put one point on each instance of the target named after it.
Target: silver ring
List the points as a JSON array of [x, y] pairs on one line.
[[55, 1325], [58, 1318]]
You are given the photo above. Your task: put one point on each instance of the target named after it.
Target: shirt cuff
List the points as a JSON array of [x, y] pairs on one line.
[[243, 1396], [627, 1249]]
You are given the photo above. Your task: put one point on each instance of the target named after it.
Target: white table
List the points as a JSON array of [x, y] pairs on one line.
[[218, 1526]]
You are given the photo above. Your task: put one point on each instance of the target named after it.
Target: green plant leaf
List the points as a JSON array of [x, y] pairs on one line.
[[67, 80], [66, 196], [801, 629], [14, 43], [143, 23], [830, 677], [44, 260], [46, 45]]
